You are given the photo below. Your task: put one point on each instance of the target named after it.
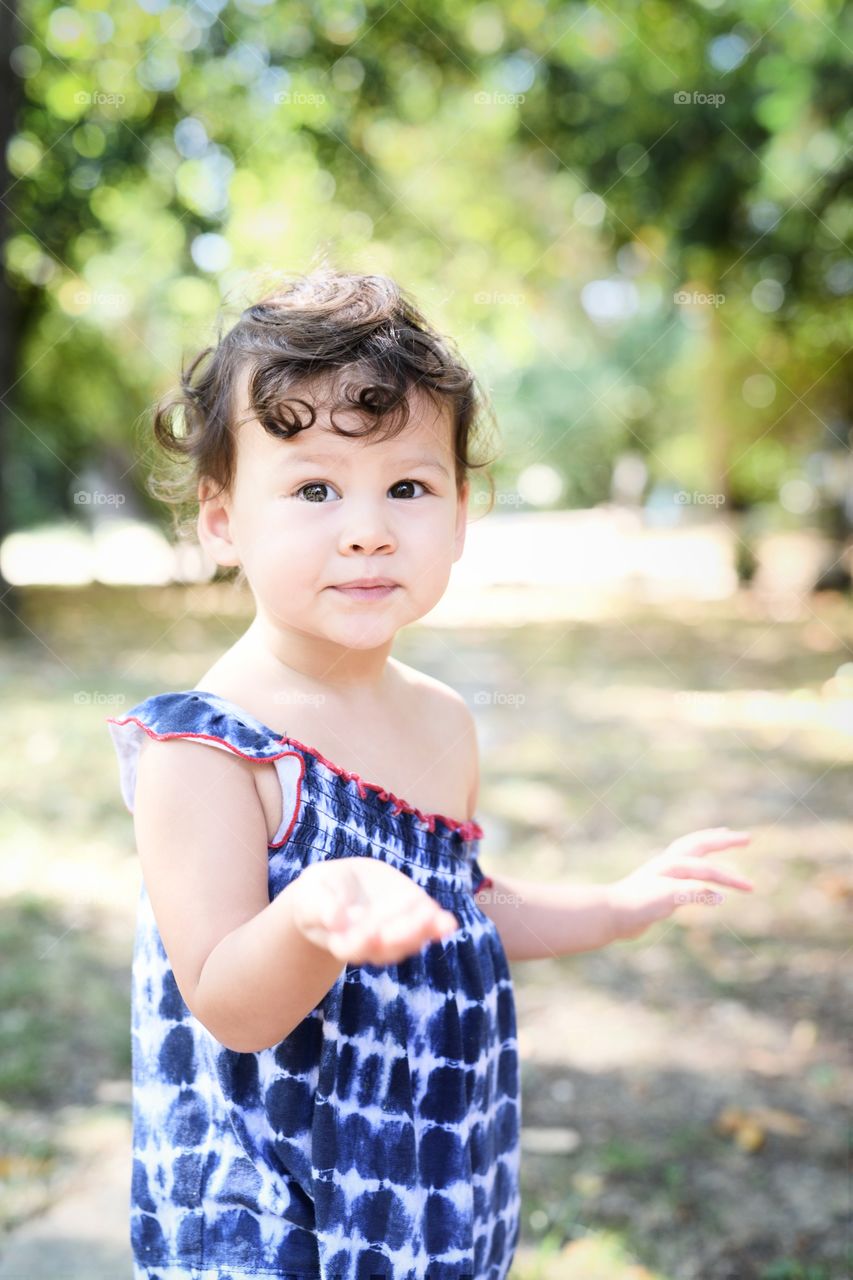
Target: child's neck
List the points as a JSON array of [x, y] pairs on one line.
[[270, 653]]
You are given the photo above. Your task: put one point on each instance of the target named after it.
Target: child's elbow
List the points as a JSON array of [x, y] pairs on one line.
[[237, 1042], [241, 1043], [238, 1034]]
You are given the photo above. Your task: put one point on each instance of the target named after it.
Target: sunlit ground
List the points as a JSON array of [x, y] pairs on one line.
[[682, 1092], [595, 553]]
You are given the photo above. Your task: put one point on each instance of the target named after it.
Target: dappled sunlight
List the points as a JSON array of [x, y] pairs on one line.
[[698, 1036], [821, 718], [516, 569], [601, 739], [627, 222], [117, 551], [600, 1255], [597, 548]]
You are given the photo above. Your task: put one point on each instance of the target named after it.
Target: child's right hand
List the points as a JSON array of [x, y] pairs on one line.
[[365, 911]]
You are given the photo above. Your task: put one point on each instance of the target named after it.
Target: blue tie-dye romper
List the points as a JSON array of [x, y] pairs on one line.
[[381, 1136]]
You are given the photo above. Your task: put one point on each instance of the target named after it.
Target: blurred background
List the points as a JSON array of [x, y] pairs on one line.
[[635, 222]]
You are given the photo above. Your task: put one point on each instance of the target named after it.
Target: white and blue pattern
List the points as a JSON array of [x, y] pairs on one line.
[[381, 1137]]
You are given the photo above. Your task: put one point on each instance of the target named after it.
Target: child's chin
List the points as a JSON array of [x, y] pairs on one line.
[[362, 633]]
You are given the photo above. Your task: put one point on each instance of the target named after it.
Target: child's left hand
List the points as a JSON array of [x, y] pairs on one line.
[[649, 894]]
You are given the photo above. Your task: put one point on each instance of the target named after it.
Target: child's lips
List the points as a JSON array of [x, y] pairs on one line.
[[367, 593]]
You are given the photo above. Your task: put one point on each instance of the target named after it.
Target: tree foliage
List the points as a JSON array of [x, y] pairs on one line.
[[564, 186]]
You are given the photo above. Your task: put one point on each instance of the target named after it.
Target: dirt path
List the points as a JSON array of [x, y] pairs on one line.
[[683, 1093], [84, 1236]]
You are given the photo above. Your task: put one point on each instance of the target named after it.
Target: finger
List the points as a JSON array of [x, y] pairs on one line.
[[698, 843], [334, 914], [694, 869], [358, 933], [421, 924], [443, 924], [409, 925], [396, 940], [341, 915], [345, 947], [714, 837]]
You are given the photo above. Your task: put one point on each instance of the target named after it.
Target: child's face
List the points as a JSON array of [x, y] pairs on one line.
[[300, 528]]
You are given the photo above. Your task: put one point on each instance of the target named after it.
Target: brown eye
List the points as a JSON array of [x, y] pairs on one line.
[[409, 482], [314, 491]]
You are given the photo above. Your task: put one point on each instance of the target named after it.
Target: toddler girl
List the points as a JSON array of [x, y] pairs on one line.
[[325, 1061]]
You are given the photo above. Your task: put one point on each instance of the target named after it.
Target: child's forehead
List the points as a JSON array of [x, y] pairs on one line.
[[428, 430]]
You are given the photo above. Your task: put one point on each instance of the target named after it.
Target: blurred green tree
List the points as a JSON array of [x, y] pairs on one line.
[[532, 171]]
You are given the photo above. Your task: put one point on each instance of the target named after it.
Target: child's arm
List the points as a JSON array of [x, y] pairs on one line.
[[537, 919], [249, 969], [241, 966]]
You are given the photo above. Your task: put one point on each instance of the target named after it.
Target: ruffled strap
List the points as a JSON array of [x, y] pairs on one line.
[[201, 719]]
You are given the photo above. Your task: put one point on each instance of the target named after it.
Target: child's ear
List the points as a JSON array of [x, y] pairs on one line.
[[214, 524], [461, 520]]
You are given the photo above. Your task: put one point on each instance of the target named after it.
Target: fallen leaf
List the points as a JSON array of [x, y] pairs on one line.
[[750, 1125]]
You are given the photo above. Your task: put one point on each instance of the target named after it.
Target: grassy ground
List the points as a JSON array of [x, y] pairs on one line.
[[683, 1092]]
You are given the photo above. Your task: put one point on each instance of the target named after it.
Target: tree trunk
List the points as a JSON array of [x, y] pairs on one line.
[[11, 624], [714, 407]]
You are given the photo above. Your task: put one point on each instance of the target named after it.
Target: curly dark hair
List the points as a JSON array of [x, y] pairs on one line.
[[360, 336]]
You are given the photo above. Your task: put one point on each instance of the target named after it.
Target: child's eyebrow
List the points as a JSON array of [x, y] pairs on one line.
[[326, 459]]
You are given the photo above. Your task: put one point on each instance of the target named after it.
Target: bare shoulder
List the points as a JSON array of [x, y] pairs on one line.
[[444, 707], [434, 694]]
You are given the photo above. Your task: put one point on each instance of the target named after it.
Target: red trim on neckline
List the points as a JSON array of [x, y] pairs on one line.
[[469, 830]]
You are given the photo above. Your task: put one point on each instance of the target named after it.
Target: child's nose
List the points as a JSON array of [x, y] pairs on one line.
[[367, 529]]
